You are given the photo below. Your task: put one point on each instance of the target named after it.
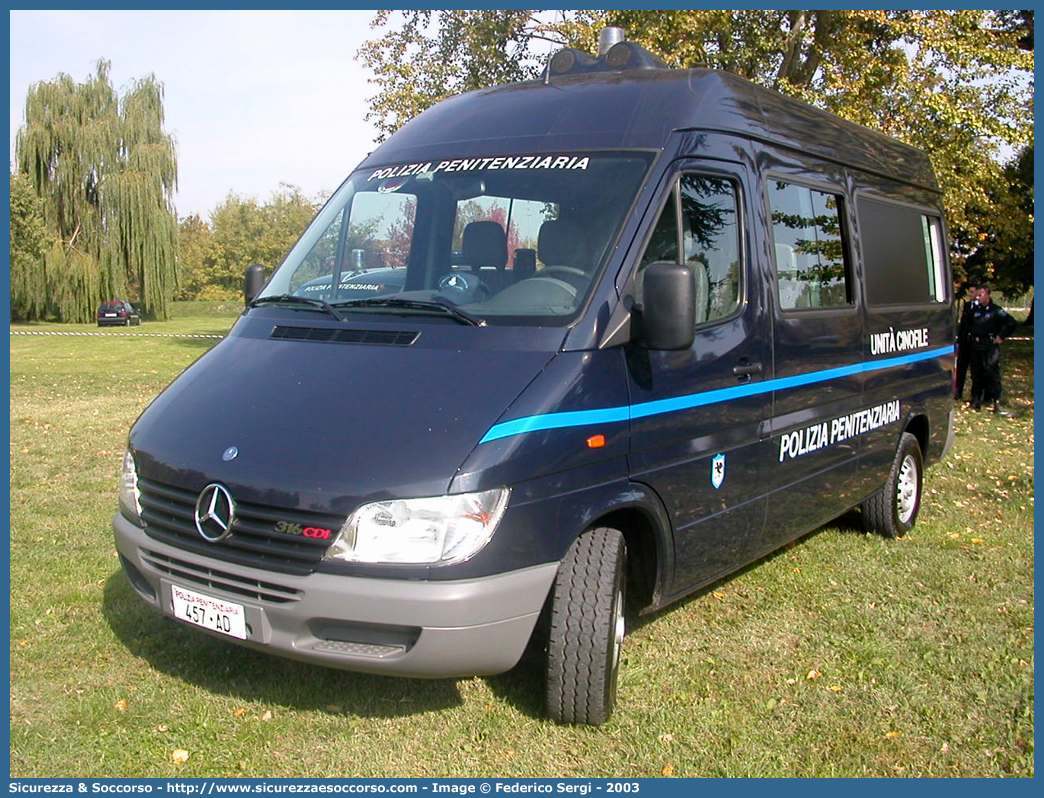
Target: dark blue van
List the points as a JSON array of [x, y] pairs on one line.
[[647, 326]]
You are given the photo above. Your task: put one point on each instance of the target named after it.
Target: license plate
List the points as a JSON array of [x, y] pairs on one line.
[[110, 315], [211, 613]]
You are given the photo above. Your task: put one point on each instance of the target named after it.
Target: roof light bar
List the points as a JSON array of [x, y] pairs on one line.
[[614, 54]]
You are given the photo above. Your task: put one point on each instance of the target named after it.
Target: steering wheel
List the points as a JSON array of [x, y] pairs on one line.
[[550, 270], [458, 281], [466, 286], [560, 285]]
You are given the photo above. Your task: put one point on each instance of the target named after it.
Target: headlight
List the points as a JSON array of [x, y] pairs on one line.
[[130, 496], [442, 529]]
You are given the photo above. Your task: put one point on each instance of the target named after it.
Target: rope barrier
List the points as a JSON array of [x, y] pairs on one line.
[[103, 334], [205, 335]]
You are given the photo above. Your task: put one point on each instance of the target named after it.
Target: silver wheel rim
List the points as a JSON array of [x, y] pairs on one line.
[[618, 628], [906, 489]]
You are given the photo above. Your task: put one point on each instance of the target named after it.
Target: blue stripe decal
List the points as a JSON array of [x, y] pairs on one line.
[[608, 415]]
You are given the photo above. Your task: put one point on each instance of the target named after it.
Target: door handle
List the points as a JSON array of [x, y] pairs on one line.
[[747, 369]]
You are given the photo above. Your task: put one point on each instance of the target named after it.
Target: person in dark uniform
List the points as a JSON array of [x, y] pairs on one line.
[[964, 341], [990, 324]]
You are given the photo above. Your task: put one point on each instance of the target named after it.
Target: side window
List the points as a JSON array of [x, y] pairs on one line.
[[810, 256], [663, 243], [710, 238], [902, 254], [699, 226]]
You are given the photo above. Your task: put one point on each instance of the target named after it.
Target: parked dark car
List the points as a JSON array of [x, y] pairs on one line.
[[118, 313]]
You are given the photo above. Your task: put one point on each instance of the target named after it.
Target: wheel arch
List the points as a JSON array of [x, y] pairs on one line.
[[917, 425], [645, 525]]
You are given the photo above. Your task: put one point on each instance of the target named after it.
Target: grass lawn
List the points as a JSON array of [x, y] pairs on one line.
[[842, 655]]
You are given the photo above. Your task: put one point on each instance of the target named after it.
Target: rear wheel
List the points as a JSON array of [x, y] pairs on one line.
[[587, 629], [892, 511]]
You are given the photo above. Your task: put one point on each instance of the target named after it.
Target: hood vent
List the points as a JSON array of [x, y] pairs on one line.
[[340, 336]]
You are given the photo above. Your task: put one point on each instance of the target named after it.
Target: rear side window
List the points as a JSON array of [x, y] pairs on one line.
[[811, 266], [699, 227], [902, 254]]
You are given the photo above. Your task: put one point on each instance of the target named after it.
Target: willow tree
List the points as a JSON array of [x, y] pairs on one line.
[[106, 172]]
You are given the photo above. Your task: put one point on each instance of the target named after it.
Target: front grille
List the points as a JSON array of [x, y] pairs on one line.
[[182, 571], [169, 516], [341, 336]]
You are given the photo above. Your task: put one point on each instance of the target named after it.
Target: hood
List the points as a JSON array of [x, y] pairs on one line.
[[327, 426]]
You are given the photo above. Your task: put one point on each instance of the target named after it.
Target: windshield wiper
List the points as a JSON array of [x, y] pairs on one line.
[[415, 304], [293, 299]]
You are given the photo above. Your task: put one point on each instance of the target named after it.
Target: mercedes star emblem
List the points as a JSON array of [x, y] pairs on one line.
[[215, 512]]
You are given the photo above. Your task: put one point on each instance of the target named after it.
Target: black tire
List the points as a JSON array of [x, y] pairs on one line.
[[587, 628], [892, 511]]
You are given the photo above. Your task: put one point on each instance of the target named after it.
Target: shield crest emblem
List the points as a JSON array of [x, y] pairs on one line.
[[718, 470]]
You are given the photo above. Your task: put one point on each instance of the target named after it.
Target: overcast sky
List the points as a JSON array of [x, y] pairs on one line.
[[252, 98]]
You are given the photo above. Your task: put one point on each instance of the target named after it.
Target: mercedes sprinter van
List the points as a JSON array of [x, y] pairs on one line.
[[628, 330]]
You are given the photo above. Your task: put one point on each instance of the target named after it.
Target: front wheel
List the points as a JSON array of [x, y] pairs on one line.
[[892, 511], [587, 629]]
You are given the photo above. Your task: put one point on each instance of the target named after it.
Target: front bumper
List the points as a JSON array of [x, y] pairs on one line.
[[429, 629]]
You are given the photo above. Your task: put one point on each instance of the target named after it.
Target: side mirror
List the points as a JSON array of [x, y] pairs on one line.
[[254, 280], [668, 307]]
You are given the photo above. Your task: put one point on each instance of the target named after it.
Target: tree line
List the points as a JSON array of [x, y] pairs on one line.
[[214, 253], [92, 215]]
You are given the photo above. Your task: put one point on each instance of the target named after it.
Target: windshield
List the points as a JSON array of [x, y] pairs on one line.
[[510, 239]]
